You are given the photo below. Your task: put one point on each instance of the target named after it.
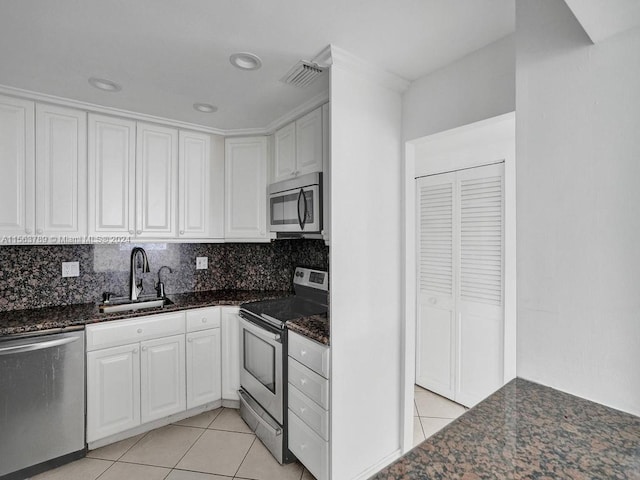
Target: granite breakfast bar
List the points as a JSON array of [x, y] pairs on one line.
[[528, 431]]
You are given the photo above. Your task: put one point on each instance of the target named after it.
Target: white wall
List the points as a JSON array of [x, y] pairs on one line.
[[578, 207], [478, 86], [366, 274]]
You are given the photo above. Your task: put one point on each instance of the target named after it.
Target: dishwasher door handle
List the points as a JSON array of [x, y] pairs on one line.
[[30, 347]]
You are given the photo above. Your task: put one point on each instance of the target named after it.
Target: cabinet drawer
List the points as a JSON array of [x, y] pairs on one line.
[[120, 332], [203, 319], [309, 412], [309, 353], [309, 447], [309, 382]]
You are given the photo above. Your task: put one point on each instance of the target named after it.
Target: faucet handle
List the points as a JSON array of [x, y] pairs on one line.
[[106, 297]]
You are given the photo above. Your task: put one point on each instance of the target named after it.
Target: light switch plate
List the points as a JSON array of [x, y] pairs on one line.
[[70, 269], [202, 263]]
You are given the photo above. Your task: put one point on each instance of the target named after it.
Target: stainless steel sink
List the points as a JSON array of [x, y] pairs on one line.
[[123, 304]]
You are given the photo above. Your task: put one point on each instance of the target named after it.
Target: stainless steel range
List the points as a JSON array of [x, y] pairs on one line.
[[263, 357]]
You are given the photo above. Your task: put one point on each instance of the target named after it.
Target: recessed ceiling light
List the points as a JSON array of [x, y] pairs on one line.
[[205, 107], [245, 61], [106, 85]]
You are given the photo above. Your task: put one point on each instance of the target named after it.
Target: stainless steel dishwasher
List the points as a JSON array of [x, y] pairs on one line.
[[42, 402]]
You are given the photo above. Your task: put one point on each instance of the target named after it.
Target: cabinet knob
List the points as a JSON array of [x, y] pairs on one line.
[[303, 381], [139, 330], [27, 231], [135, 350], [303, 353], [433, 300], [303, 446], [204, 319], [138, 232], [144, 349], [131, 232], [181, 232], [303, 409], [39, 231], [190, 340]]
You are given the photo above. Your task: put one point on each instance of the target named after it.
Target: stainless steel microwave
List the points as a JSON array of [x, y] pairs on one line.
[[295, 205]]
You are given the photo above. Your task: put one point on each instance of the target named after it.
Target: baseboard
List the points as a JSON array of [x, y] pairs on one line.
[[388, 460], [161, 422]]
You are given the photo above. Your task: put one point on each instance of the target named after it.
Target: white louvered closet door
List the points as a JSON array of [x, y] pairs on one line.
[[435, 360], [461, 283], [479, 301]]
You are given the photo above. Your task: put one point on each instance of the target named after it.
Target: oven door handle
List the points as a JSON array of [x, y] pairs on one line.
[[259, 332]]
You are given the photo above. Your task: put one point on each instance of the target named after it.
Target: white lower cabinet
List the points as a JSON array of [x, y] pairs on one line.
[[145, 369], [162, 378], [204, 368], [309, 404], [113, 391], [230, 353]]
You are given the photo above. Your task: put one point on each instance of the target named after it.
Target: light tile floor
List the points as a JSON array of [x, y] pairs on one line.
[[431, 413], [215, 445], [218, 445]]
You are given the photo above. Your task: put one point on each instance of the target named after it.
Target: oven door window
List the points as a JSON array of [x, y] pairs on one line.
[[259, 360]]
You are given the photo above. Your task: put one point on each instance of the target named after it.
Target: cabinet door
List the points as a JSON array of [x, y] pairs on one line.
[[61, 171], [203, 367], [284, 153], [246, 188], [17, 182], [437, 252], [111, 175], [195, 174], [113, 391], [162, 377], [156, 181], [230, 353], [309, 143]]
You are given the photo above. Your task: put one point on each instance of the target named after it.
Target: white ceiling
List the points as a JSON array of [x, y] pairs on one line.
[[169, 54]]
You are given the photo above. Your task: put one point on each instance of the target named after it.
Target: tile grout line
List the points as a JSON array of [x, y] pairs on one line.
[[255, 438]]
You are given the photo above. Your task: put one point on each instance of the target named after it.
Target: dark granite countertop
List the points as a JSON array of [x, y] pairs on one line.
[[315, 327], [528, 431], [38, 319]]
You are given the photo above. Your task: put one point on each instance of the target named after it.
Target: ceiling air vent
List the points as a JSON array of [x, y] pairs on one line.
[[302, 74]]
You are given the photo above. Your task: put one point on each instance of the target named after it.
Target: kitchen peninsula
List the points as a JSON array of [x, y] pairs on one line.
[[526, 431]]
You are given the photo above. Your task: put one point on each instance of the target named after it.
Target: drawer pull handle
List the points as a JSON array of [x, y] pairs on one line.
[[303, 353], [303, 381], [204, 320], [139, 330]]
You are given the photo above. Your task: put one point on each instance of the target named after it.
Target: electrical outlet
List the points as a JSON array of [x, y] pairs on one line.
[[70, 269], [202, 263]]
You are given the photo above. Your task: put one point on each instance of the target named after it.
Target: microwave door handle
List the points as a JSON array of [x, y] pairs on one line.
[[302, 219]]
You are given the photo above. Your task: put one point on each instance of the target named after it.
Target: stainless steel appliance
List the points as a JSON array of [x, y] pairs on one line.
[[295, 206], [42, 402], [263, 357]]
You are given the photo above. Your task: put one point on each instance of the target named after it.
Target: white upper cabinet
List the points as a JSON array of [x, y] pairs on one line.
[[61, 171], [112, 152], [246, 189], [298, 147], [309, 143], [17, 182], [156, 181], [196, 216], [284, 153]]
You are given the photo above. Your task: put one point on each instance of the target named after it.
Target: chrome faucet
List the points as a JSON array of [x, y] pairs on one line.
[[138, 260]]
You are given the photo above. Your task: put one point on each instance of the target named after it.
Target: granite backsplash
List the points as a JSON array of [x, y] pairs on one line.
[[30, 276]]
